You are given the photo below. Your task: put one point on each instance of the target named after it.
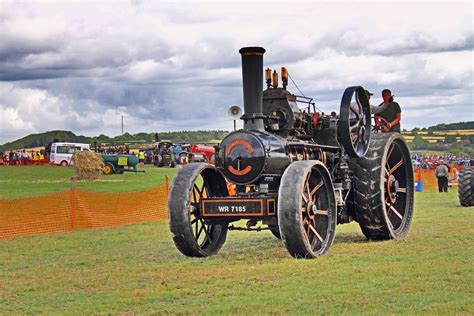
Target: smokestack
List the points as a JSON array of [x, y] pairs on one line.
[[252, 77]]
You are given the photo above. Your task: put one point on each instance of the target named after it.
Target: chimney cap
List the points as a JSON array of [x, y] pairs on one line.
[[252, 50]]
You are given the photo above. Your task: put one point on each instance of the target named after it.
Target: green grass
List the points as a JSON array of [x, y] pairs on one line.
[[18, 181], [136, 268]]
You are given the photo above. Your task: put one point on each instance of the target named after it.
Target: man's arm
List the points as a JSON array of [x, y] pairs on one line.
[[398, 116]]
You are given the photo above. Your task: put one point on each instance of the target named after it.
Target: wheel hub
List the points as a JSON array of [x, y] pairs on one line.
[[311, 209], [392, 188]]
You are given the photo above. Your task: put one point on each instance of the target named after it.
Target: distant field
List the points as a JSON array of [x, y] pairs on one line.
[[439, 135], [453, 132], [21, 181], [136, 269]]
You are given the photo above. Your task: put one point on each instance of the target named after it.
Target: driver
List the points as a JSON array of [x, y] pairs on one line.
[[389, 110]]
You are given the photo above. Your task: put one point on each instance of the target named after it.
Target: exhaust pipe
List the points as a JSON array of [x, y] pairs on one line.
[[252, 77]]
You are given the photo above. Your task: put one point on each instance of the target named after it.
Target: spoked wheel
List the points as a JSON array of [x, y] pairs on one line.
[[353, 129], [307, 209], [192, 235], [380, 124], [383, 188]]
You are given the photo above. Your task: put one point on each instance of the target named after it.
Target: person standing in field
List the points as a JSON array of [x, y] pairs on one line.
[[389, 110], [442, 174]]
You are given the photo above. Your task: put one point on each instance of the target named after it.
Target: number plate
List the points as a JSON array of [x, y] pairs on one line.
[[122, 161], [249, 207]]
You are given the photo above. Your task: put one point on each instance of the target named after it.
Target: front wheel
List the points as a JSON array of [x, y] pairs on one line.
[[192, 235], [307, 209]]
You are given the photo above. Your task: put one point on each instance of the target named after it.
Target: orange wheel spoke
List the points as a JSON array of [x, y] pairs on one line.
[[304, 197], [394, 210], [316, 188], [396, 166], [322, 212], [316, 233], [390, 151]]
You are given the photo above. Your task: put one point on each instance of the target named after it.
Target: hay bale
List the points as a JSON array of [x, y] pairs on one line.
[[88, 165]]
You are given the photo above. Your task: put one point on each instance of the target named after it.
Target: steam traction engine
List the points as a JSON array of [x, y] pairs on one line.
[[296, 171]]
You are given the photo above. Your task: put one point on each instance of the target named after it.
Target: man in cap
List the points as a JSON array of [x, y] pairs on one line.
[[389, 110], [442, 173]]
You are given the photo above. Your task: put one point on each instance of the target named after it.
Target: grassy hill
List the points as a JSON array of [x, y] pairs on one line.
[[42, 139], [454, 137]]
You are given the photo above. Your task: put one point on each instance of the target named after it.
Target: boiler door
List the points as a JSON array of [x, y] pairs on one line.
[[242, 157]]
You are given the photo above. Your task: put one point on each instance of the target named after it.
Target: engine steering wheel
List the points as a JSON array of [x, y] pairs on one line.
[[354, 122], [380, 124]]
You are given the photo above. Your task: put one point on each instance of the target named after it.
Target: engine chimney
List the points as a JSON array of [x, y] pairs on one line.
[[252, 77]]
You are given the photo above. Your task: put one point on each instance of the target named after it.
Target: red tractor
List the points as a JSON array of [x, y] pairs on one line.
[[202, 153]]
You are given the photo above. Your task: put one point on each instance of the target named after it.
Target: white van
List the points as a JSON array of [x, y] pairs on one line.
[[61, 153]]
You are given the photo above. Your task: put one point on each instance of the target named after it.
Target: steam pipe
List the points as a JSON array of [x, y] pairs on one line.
[[252, 79]]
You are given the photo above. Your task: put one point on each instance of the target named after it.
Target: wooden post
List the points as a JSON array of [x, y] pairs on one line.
[[167, 184]]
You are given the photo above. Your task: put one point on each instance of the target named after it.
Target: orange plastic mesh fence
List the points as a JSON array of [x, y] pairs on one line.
[[430, 182], [77, 209]]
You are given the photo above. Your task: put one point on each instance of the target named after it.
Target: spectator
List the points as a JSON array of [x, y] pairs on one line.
[[442, 174]]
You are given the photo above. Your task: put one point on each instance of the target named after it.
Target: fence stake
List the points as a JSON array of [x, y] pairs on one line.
[[167, 185], [72, 203]]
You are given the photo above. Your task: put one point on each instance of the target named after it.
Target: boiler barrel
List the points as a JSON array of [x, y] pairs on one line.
[[131, 160]]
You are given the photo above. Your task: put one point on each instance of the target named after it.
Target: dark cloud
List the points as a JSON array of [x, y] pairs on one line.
[[167, 67]]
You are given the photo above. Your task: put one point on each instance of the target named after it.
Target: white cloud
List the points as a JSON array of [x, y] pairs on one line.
[[166, 66]]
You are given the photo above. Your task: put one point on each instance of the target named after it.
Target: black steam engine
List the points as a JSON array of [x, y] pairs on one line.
[[294, 171]]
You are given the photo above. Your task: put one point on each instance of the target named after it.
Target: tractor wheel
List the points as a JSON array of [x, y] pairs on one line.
[[383, 188], [159, 160], [108, 168], [307, 209], [466, 186], [192, 235], [275, 230]]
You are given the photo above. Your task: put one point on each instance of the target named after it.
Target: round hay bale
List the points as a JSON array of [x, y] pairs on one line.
[[88, 165]]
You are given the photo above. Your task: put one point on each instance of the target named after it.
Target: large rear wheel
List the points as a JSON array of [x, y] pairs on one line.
[[307, 209], [383, 188], [192, 235]]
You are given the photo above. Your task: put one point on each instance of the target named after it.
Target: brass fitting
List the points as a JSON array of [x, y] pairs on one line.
[[275, 79]]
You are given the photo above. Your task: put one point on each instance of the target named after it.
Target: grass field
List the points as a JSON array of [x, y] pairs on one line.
[[136, 269], [37, 180]]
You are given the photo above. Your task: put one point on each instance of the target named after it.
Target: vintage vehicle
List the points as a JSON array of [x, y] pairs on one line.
[[61, 153], [296, 172], [118, 164], [466, 185], [202, 153], [164, 154]]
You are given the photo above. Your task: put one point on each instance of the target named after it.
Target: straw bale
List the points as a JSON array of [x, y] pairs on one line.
[[88, 165]]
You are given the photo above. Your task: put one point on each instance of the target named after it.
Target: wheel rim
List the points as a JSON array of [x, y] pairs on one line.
[[315, 210], [396, 186], [107, 170]]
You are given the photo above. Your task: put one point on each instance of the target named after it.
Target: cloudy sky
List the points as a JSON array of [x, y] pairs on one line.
[[174, 66]]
